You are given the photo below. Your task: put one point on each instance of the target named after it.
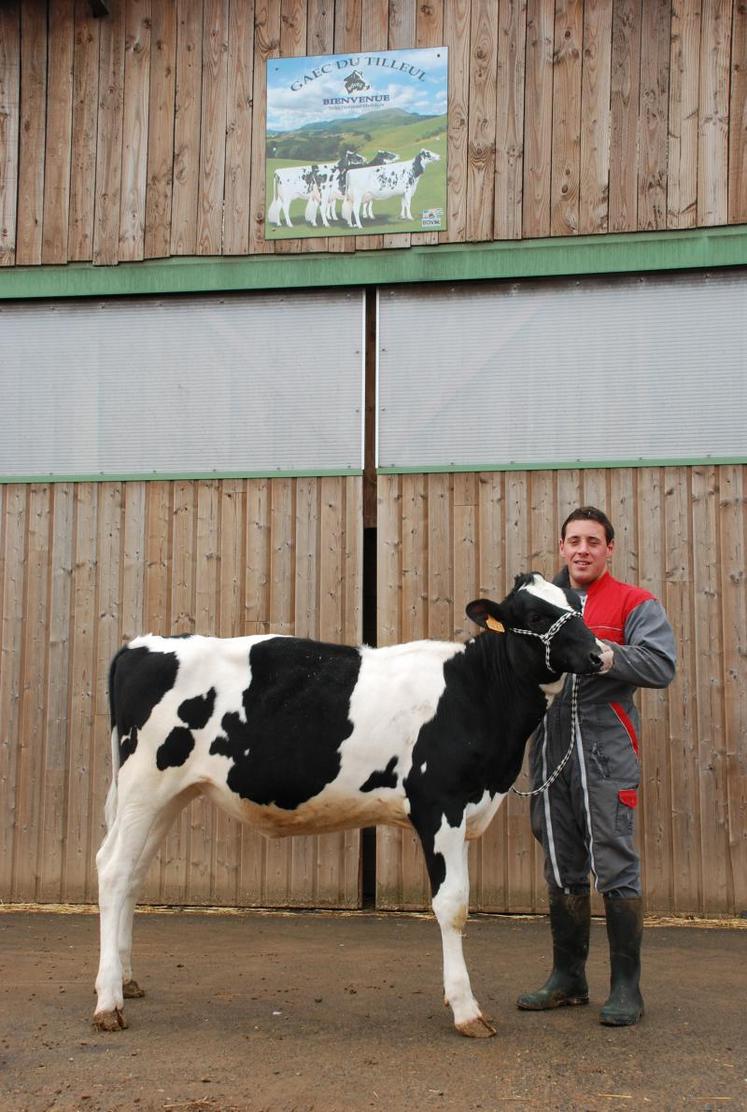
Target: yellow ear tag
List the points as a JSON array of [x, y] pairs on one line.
[[495, 625]]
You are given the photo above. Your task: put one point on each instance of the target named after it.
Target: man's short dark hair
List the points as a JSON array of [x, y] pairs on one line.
[[590, 513]]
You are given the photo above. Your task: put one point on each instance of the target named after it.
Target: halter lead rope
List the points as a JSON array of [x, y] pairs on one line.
[[546, 639]]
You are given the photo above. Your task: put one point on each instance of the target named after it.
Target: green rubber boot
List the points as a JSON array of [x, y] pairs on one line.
[[570, 916], [624, 1006]]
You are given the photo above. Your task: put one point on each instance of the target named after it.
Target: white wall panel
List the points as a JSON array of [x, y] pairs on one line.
[[559, 372], [241, 384]]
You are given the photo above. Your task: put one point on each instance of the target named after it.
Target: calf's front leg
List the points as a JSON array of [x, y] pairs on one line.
[[446, 857]]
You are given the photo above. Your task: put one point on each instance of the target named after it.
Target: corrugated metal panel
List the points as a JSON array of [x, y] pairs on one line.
[[243, 384], [593, 370]]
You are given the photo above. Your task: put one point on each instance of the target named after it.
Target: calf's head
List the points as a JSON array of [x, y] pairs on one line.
[[548, 619]]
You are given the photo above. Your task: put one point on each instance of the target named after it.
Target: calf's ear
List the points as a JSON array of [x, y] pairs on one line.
[[487, 614]]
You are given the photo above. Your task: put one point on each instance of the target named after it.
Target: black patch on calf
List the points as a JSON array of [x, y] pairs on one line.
[[381, 779], [296, 710], [475, 742], [175, 749], [196, 712], [138, 680]]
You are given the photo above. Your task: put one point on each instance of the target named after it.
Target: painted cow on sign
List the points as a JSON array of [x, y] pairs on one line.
[[298, 737]]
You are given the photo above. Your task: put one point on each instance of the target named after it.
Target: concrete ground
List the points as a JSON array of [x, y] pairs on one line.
[[320, 1012]]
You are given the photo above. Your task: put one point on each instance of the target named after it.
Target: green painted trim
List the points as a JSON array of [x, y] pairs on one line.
[[565, 465], [699, 248], [123, 477]]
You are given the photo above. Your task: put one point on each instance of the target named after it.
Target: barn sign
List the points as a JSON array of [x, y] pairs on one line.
[[356, 143]]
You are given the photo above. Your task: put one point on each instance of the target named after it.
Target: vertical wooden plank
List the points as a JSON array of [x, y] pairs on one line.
[[595, 118], [107, 641], [625, 99], [538, 117], [109, 137], [53, 815], [293, 34], [710, 701], [239, 117], [258, 541], [481, 126], [684, 91], [352, 565], [440, 582], [59, 131], [464, 555], [308, 543], [266, 45], [33, 120], [414, 582], [509, 145], [84, 134], [566, 118], [82, 693], [161, 114], [429, 31], [187, 117], [733, 546], [738, 118], [713, 137], [457, 39], [135, 129], [652, 142], [654, 835], [33, 686], [330, 559], [687, 862], [14, 569], [213, 131]]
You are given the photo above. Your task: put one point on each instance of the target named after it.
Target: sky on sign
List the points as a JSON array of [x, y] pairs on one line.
[[289, 109]]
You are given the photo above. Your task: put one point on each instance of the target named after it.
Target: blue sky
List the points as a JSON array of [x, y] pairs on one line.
[[288, 109]]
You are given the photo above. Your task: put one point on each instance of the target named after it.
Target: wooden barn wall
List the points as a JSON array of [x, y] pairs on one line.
[[682, 533], [85, 566], [141, 134]]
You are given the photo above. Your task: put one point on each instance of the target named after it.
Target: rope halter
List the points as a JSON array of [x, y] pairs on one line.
[[546, 638]]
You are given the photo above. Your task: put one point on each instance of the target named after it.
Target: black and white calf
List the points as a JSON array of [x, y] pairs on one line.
[[397, 179], [298, 737]]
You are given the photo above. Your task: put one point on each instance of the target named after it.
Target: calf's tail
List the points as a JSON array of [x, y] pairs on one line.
[[110, 807]]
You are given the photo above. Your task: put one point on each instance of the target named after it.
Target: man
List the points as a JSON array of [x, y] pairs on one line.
[[584, 820]]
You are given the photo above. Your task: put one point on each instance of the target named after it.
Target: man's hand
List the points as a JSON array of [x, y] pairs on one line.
[[607, 655]]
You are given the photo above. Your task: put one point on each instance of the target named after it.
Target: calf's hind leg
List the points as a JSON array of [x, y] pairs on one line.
[[446, 858], [117, 862]]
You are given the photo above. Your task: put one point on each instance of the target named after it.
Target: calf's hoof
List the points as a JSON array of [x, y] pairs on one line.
[[131, 990], [113, 1020], [477, 1028]]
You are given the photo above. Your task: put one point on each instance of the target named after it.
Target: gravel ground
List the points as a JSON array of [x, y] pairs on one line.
[[320, 1012]]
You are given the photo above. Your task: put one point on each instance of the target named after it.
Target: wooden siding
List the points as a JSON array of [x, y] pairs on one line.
[[141, 135], [681, 532], [85, 566]]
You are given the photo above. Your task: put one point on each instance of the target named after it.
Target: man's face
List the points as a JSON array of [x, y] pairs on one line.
[[585, 551]]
